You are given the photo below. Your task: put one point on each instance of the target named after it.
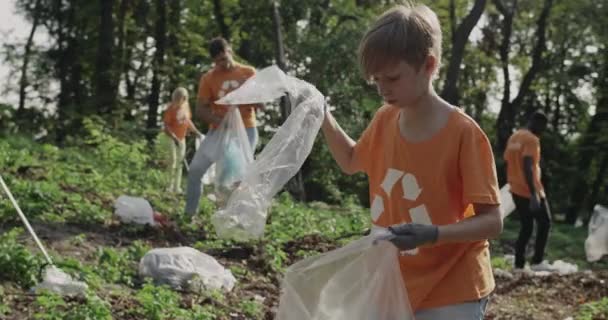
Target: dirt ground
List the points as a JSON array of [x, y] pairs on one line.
[[517, 296]]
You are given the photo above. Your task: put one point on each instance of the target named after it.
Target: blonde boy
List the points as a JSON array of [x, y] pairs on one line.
[[426, 162]]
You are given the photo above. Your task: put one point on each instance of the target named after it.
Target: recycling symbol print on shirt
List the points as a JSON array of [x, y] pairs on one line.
[[228, 86], [411, 192]]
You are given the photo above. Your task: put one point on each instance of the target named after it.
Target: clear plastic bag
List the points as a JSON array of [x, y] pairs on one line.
[[359, 281], [185, 268], [245, 213], [228, 146], [134, 210], [61, 283], [596, 245]]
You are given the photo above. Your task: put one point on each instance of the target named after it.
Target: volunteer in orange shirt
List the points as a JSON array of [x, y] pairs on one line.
[[177, 121], [225, 76], [426, 162], [522, 156]]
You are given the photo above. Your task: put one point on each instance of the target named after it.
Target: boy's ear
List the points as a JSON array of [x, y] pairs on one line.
[[430, 64]]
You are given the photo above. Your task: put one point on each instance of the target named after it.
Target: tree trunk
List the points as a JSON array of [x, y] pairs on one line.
[[587, 151], [26, 59], [460, 39], [105, 84], [595, 189], [157, 67], [506, 117], [173, 40], [296, 185], [218, 11]]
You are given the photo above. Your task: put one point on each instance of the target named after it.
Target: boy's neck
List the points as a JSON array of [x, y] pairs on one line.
[[420, 121], [423, 108]]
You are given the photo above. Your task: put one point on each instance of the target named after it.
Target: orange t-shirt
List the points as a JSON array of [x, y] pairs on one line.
[[217, 83], [432, 182], [178, 120], [523, 143]]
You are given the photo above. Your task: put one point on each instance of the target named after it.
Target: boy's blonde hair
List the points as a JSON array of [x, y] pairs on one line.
[[405, 32]]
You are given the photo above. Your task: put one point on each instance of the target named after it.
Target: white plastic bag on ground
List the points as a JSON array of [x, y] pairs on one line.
[[228, 146], [596, 244], [185, 268], [134, 210], [360, 281], [563, 267], [61, 283], [244, 216], [507, 206]]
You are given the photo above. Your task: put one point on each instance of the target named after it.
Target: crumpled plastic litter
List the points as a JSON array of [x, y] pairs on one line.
[[61, 283], [596, 244], [185, 268]]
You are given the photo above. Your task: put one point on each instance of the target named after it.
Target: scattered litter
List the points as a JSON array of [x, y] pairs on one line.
[[61, 283], [54, 279], [134, 210], [185, 268], [596, 245], [563, 267]]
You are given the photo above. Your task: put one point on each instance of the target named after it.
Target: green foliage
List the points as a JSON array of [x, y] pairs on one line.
[[51, 306], [501, 263], [159, 303], [17, 263], [251, 309], [116, 266], [593, 310]]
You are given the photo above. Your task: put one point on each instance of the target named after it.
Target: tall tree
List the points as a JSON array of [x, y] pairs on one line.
[[296, 184], [593, 142], [157, 66], [508, 110], [23, 83], [218, 12], [105, 82], [460, 38]]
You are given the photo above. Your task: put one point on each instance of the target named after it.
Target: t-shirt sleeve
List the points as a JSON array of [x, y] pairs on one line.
[[363, 148], [530, 147], [477, 168], [204, 89]]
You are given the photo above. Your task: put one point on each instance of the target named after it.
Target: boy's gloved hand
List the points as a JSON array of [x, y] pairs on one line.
[[408, 236]]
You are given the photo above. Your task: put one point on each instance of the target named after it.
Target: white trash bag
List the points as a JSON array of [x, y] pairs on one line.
[[61, 283], [360, 281], [596, 244], [244, 216], [228, 147], [563, 267], [507, 206], [134, 210], [185, 268]]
